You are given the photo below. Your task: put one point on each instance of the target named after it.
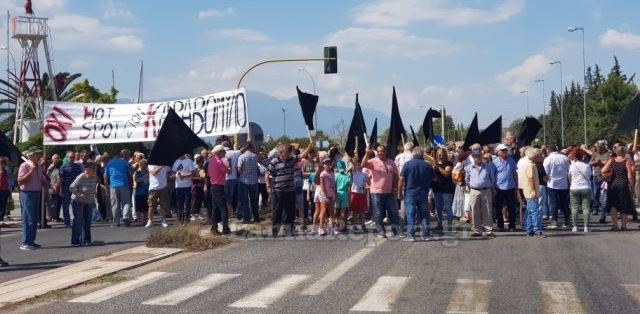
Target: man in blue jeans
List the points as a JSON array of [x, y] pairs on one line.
[[182, 172], [248, 185], [384, 180], [506, 193], [117, 176], [31, 180], [557, 167], [68, 172], [414, 183]]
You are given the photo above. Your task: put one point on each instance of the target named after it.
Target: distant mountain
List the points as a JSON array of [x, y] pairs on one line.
[[267, 112]]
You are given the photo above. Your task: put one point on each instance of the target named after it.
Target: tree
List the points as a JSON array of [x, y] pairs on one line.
[[86, 93]]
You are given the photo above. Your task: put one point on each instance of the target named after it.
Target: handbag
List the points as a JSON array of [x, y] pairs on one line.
[[607, 176]]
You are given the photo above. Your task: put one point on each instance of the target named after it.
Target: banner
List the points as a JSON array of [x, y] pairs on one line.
[[80, 123]]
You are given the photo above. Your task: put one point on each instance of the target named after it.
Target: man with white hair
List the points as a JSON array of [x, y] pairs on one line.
[[530, 189], [400, 160], [31, 180]]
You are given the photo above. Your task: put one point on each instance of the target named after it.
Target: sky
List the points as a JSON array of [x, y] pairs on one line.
[[468, 56]]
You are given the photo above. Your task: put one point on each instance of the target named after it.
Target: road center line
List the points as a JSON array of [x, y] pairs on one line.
[[197, 287], [337, 272], [271, 293], [121, 288], [381, 295], [470, 296], [560, 297]]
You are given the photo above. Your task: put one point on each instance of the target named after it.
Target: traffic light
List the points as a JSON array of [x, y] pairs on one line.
[[331, 66]]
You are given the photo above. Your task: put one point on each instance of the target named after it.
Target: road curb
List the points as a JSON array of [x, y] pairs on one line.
[[28, 287]]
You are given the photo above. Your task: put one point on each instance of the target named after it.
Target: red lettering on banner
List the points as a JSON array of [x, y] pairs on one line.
[[87, 113], [150, 121], [56, 126]]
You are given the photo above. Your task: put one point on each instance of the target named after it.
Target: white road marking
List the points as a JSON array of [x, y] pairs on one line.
[[470, 296], [121, 288], [191, 290], [271, 293], [633, 290], [560, 297], [337, 272], [381, 295]]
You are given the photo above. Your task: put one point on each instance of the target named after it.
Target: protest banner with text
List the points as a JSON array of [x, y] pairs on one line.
[[80, 123]]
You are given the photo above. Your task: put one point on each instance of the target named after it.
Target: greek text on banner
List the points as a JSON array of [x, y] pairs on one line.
[[80, 123]]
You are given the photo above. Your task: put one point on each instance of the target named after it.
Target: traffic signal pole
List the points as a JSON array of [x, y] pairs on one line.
[[279, 61]]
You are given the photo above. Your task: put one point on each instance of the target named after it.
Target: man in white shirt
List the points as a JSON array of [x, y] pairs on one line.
[[400, 160], [231, 186], [557, 167], [158, 193], [182, 171]]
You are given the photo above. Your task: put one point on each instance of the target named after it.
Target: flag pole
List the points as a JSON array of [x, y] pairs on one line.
[[635, 139], [366, 141], [402, 136], [309, 134]]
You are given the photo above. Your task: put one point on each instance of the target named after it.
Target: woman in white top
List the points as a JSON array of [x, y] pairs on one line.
[[580, 187]]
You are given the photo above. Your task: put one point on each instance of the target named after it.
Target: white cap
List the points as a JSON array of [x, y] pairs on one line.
[[502, 147], [218, 148]]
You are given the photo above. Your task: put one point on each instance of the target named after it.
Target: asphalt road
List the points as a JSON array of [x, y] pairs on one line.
[[596, 272]]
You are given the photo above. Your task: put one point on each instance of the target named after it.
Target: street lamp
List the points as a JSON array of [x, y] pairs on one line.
[[526, 92], [284, 121], [560, 95], [584, 81], [301, 69], [544, 113]]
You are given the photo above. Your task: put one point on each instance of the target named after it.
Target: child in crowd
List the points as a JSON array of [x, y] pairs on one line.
[[318, 198], [343, 186], [141, 180], [328, 188], [358, 199]]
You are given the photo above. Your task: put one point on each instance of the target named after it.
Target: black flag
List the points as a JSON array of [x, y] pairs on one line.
[[357, 132], [528, 131], [473, 134], [427, 124], [7, 149], [629, 120], [396, 129], [492, 134], [373, 139], [174, 140], [415, 138], [308, 103]]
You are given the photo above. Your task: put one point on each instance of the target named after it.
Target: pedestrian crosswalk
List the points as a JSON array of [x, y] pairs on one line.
[[467, 296]]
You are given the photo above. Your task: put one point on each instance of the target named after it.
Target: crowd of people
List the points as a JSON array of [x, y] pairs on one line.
[[494, 188]]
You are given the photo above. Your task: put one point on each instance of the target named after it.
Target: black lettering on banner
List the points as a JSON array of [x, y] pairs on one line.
[[197, 121], [97, 126], [99, 113], [104, 130], [176, 103], [209, 121], [242, 123], [86, 127]]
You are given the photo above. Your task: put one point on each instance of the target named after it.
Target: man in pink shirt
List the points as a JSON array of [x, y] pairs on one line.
[[218, 169], [384, 179], [31, 180]]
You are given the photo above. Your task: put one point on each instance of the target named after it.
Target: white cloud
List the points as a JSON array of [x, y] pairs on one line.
[[213, 13], [390, 42], [615, 39], [113, 10], [72, 32], [78, 64], [127, 43], [385, 13], [518, 78], [239, 34]]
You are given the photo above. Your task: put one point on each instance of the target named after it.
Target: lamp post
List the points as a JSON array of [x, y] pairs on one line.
[[313, 81], [560, 95], [284, 121], [584, 81], [544, 113], [526, 92]]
